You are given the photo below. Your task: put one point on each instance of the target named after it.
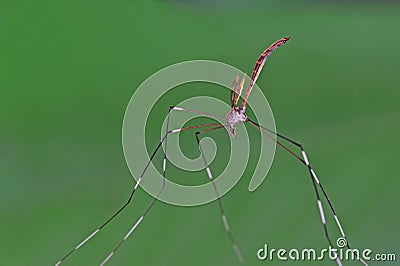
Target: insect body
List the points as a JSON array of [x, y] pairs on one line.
[[235, 116]]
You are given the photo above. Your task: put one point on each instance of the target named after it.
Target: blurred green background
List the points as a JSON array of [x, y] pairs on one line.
[[69, 68]]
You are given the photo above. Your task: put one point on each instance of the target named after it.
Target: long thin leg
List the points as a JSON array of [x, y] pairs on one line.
[[137, 183], [117, 212], [154, 200], [314, 179], [199, 112], [223, 215]]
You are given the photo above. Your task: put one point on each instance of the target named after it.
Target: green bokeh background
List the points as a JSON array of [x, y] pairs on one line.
[[69, 68]]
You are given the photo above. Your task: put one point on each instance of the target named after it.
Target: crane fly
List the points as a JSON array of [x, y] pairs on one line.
[[236, 115]]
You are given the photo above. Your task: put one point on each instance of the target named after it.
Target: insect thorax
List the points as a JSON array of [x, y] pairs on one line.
[[235, 116]]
